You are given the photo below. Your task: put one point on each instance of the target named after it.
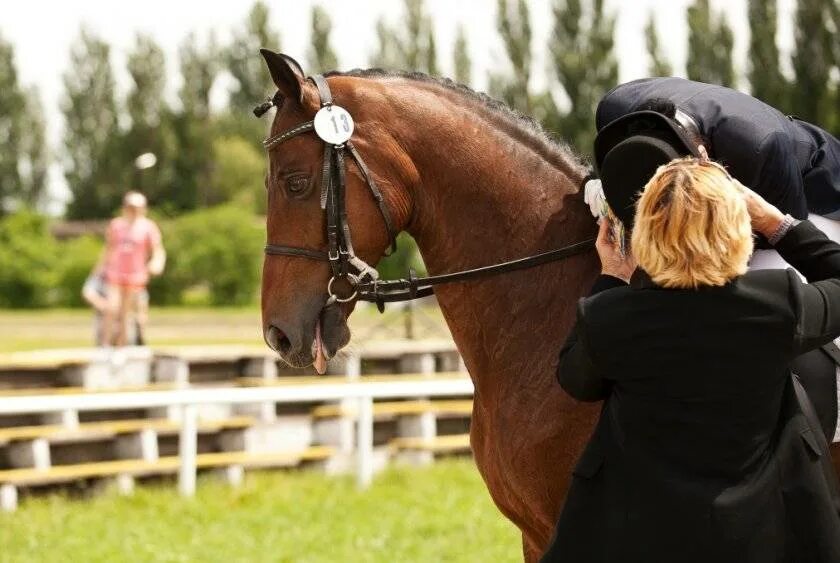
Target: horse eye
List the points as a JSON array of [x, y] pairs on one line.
[[296, 185]]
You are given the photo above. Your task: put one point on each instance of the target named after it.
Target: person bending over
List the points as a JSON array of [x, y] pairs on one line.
[[703, 451], [792, 164]]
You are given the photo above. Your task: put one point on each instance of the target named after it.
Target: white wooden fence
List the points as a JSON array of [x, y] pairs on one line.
[[188, 400]]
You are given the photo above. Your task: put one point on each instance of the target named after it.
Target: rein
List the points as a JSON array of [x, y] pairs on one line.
[[344, 264]]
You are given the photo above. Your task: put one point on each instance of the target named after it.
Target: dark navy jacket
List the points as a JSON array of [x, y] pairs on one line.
[[781, 158]]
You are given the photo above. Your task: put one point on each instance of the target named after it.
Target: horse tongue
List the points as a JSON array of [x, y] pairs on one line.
[[320, 358]]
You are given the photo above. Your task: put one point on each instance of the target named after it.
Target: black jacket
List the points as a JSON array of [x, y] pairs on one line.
[[702, 453], [781, 158]]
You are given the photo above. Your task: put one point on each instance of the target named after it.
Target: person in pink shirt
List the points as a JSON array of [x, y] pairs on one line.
[[133, 252]]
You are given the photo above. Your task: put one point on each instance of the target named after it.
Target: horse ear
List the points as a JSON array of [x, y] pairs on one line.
[[286, 73]]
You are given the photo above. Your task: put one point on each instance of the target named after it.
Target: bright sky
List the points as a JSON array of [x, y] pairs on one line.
[[42, 32]]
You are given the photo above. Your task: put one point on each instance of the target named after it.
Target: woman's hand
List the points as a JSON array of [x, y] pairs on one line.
[[609, 251], [764, 216]]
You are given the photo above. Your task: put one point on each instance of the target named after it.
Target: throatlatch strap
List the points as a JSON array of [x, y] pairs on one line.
[[377, 195]]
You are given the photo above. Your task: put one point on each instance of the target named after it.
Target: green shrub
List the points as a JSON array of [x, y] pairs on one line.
[[219, 249], [213, 257], [28, 256], [239, 173], [407, 256], [77, 259]]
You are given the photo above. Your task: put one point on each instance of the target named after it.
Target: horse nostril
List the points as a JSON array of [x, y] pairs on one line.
[[277, 340]]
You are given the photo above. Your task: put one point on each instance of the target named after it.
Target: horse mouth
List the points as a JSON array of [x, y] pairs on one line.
[[327, 333], [331, 333]]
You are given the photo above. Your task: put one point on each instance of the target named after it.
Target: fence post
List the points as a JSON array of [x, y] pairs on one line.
[[364, 442], [187, 447], [353, 371]]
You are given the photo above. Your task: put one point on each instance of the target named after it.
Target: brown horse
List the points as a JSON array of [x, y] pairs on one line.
[[475, 184]]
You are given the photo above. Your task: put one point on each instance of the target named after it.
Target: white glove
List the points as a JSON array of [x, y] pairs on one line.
[[593, 195]]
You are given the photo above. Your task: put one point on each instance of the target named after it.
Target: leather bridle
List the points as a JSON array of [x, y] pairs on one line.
[[344, 264]]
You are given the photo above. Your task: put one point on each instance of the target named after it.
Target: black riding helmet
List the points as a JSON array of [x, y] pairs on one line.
[[630, 149]]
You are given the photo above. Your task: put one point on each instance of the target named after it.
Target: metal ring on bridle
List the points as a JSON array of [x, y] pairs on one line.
[[353, 281]]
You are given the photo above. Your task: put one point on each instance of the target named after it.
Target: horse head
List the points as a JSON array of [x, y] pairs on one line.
[[299, 321]]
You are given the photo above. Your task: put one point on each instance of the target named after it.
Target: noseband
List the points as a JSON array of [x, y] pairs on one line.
[[344, 264]]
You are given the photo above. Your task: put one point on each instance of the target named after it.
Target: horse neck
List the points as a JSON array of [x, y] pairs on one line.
[[486, 193]]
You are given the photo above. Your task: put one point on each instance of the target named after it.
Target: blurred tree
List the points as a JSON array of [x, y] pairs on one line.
[[253, 83], [813, 59], [239, 174], [12, 111], [75, 259], [834, 9], [765, 75], [834, 98], [388, 54], [411, 45], [199, 68], [461, 58], [659, 65], [34, 153], [91, 130], [28, 258], [514, 24], [217, 249], [430, 62], [710, 42], [147, 67], [582, 53], [321, 55], [192, 127], [396, 265], [151, 130]]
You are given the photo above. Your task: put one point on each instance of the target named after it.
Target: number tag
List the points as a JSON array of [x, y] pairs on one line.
[[333, 124]]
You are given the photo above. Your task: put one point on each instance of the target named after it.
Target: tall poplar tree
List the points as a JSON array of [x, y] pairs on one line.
[[252, 82], [765, 75], [582, 52], [92, 168], [813, 60], [513, 20], [410, 45], [199, 65], [461, 58], [34, 156], [659, 65], [147, 67], [321, 56], [12, 110], [710, 42], [150, 130]]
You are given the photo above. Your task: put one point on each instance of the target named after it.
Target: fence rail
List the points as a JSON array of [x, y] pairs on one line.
[[188, 399]]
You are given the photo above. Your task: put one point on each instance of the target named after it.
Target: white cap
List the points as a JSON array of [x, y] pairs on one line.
[[134, 199]]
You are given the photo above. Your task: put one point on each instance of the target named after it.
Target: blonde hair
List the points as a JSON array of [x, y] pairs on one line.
[[692, 227]]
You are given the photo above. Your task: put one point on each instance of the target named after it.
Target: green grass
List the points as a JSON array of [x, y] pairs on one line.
[[439, 513]]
